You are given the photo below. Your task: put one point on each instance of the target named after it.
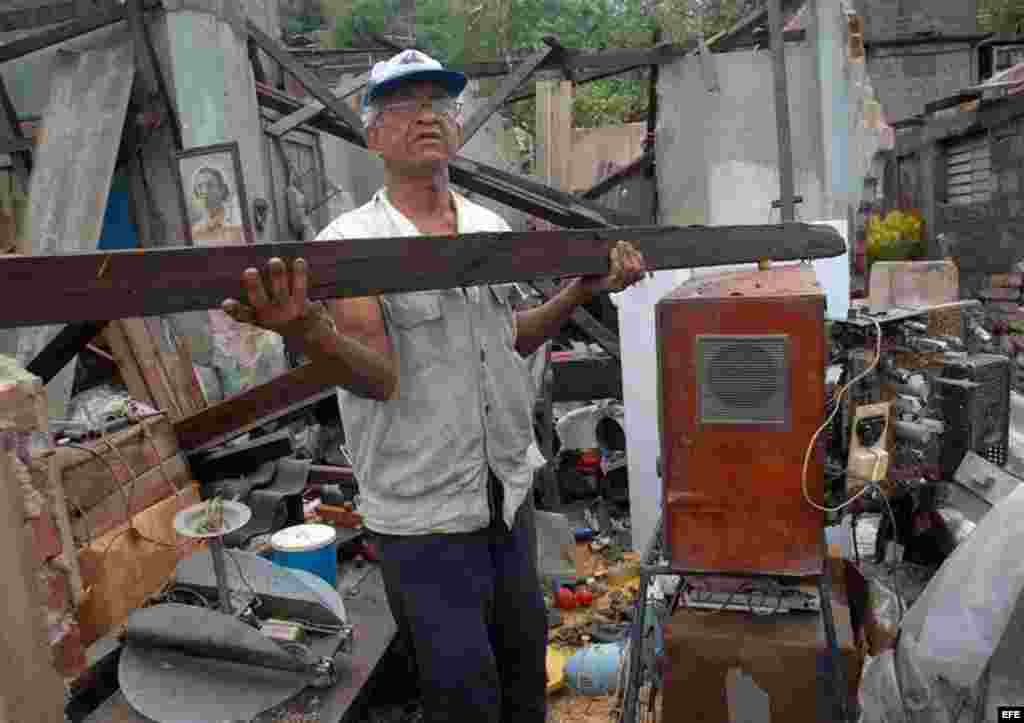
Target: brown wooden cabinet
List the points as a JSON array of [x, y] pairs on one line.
[[741, 372]]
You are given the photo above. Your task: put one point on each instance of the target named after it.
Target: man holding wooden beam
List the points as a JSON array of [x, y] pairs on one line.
[[437, 404]]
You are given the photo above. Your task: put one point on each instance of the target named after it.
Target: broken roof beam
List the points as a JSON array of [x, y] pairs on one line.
[[508, 86], [577, 60], [283, 396], [605, 185], [28, 18], [54, 36], [310, 82], [99, 286], [64, 347], [305, 114]]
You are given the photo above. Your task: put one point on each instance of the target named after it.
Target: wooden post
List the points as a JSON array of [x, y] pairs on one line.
[[781, 114], [554, 132], [30, 689]]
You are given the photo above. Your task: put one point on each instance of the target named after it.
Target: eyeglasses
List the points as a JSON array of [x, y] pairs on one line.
[[438, 106]]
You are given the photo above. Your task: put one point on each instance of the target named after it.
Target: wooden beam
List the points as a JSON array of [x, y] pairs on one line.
[[580, 78], [538, 199], [28, 18], [144, 49], [507, 87], [109, 285], [576, 60], [307, 113], [258, 73], [63, 348], [309, 81], [605, 185], [255, 407], [38, 41]]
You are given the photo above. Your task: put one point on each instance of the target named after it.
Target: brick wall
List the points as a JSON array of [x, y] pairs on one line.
[[904, 17], [25, 439], [1003, 297], [907, 77]]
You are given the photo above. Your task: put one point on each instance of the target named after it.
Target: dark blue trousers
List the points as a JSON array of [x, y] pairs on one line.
[[472, 608]]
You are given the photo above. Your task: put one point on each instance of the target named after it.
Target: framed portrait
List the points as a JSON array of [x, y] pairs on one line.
[[213, 195]]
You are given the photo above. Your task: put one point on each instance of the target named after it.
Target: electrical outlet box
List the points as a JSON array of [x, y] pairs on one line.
[[869, 440]]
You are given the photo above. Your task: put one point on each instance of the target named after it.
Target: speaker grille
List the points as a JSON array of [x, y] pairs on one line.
[[743, 379]]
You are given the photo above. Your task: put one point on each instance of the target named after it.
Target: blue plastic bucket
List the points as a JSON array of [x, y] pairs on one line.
[[308, 547]]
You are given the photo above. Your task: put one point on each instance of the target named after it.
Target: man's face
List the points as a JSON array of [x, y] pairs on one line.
[[416, 127], [208, 190]]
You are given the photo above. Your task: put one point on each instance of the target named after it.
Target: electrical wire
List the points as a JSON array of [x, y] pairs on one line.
[[814, 437]]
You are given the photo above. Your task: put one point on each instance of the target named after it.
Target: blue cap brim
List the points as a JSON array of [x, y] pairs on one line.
[[451, 80]]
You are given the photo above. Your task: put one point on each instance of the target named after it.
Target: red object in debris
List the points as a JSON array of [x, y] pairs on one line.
[[369, 551], [590, 458], [584, 597], [566, 599]]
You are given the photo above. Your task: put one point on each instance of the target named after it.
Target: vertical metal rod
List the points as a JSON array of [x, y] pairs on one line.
[[220, 572], [782, 110], [652, 127]]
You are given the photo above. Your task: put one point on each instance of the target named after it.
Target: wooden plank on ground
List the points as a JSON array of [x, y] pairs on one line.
[[122, 569], [90, 286]]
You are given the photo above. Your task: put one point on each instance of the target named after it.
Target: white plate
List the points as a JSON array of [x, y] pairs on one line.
[[187, 522]]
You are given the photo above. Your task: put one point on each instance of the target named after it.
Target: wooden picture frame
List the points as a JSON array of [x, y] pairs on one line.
[[223, 220]]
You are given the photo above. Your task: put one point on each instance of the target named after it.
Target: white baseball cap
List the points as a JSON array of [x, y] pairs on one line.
[[407, 66]]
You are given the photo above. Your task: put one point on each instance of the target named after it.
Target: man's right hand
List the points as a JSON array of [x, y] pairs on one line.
[[282, 305]]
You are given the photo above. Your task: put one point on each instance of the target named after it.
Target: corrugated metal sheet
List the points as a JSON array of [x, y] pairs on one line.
[[969, 171], [74, 163]]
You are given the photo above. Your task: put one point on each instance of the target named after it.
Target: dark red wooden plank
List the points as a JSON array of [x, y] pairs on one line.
[[79, 287]]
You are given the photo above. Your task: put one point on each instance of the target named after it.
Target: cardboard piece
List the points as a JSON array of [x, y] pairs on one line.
[[121, 569], [785, 657], [912, 284]]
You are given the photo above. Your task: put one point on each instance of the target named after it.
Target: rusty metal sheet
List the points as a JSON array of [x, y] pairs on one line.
[[73, 165]]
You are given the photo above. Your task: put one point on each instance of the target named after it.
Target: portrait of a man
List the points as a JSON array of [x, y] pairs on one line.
[[213, 222]]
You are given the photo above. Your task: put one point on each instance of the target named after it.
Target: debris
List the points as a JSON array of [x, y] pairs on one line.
[[593, 671]]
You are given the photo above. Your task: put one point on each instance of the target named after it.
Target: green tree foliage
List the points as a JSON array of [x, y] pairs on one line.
[[1001, 16], [463, 31]]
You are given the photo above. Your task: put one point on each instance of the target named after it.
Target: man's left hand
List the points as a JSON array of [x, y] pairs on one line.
[[627, 268]]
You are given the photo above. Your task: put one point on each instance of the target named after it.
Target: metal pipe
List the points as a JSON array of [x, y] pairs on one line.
[[782, 121], [220, 572]]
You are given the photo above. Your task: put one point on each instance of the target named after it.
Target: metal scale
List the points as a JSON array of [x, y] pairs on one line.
[[209, 651]]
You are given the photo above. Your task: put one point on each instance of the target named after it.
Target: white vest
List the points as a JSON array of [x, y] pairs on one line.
[[465, 399]]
